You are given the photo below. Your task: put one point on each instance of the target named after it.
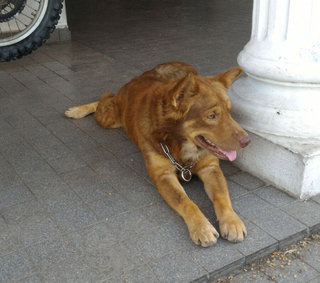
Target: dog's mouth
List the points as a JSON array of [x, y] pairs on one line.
[[216, 150]]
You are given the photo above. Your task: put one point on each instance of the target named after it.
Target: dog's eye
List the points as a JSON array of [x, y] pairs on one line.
[[212, 116]]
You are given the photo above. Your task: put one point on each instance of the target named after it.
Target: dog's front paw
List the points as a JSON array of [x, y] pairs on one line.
[[204, 234], [232, 228]]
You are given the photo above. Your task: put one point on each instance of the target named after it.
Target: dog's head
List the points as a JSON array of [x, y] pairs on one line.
[[205, 107]]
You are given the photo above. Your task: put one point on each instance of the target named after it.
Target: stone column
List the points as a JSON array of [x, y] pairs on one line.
[[278, 101]]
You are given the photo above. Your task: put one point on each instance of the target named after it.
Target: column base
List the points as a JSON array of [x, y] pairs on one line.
[[60, 34], [289, 164]]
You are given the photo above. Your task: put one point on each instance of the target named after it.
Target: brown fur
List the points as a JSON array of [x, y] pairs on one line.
[[170, 104]]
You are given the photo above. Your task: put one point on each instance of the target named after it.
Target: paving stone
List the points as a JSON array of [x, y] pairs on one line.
[[316, 198], [51, 252], [67, 132], [236, 190], [14, 195], [74, 218], [211, 216], [61, 201], [70, 272], [9, 178], [311, 255], [170, 269], [136, 162], [116, 260], [94, 238], [90, 192], [152, 244], [66, 163], [49, 115], [315, 280], [87, 184], [307, 212], [54, 65], [208, 259], [12, 86], [5, 126], [251, 206], [8, 242], [257, 243], [110, 206], [95, 244], [34, 230], [14, 266], [114, 171], [48, 185], [246, 180], [195, 191], [297, 271], [46, 144], [248, 278], [123, 148], [31, 279], [178, 231], [40, 71], [228, 168], [140, 195], [24, 76], [274, 196], [140, 274], [22, 121], [269, 218], [128, 224], [96, 155], [3, 225], [160, 213]]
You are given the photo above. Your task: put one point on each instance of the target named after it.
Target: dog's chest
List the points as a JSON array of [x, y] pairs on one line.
[[190, 152]]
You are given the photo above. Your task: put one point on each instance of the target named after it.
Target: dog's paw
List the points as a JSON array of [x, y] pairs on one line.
[[232, 228], [74, 112], [204, 234]]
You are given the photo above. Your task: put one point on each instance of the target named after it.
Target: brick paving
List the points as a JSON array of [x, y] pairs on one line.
[[297, 263], [76, 204]]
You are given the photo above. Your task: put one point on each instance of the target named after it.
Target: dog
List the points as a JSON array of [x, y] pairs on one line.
[[181, 122]]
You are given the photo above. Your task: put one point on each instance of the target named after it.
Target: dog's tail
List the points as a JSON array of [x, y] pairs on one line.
[[106, 110]]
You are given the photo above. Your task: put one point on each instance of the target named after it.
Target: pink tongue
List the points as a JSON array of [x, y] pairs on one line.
[[232, 155]]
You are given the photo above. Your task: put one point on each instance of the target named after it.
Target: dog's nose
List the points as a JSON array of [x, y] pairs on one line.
[[244, 141]]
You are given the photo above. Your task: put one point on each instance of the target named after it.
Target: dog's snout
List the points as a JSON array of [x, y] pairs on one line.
[[244, 141]]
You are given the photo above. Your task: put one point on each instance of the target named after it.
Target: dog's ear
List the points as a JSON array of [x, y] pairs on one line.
[[184, 91], [227, 77]]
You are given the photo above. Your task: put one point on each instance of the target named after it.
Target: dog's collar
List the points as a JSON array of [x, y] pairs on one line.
[[185, 173]]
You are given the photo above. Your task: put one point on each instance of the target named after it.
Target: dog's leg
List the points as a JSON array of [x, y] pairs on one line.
[[80, 111], [108, 113], [165, 179], [231, 226]]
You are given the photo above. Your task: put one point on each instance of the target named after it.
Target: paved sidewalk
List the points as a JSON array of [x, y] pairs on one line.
[[298, 263], [76, 204]]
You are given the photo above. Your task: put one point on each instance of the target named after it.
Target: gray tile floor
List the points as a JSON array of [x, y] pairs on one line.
[[76, 204], [297, 263]]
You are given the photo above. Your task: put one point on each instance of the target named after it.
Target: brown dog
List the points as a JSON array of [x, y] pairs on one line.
[[173, 108]]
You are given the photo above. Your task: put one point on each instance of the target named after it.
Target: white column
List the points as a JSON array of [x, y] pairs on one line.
[[278, 101], [63, 24]]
